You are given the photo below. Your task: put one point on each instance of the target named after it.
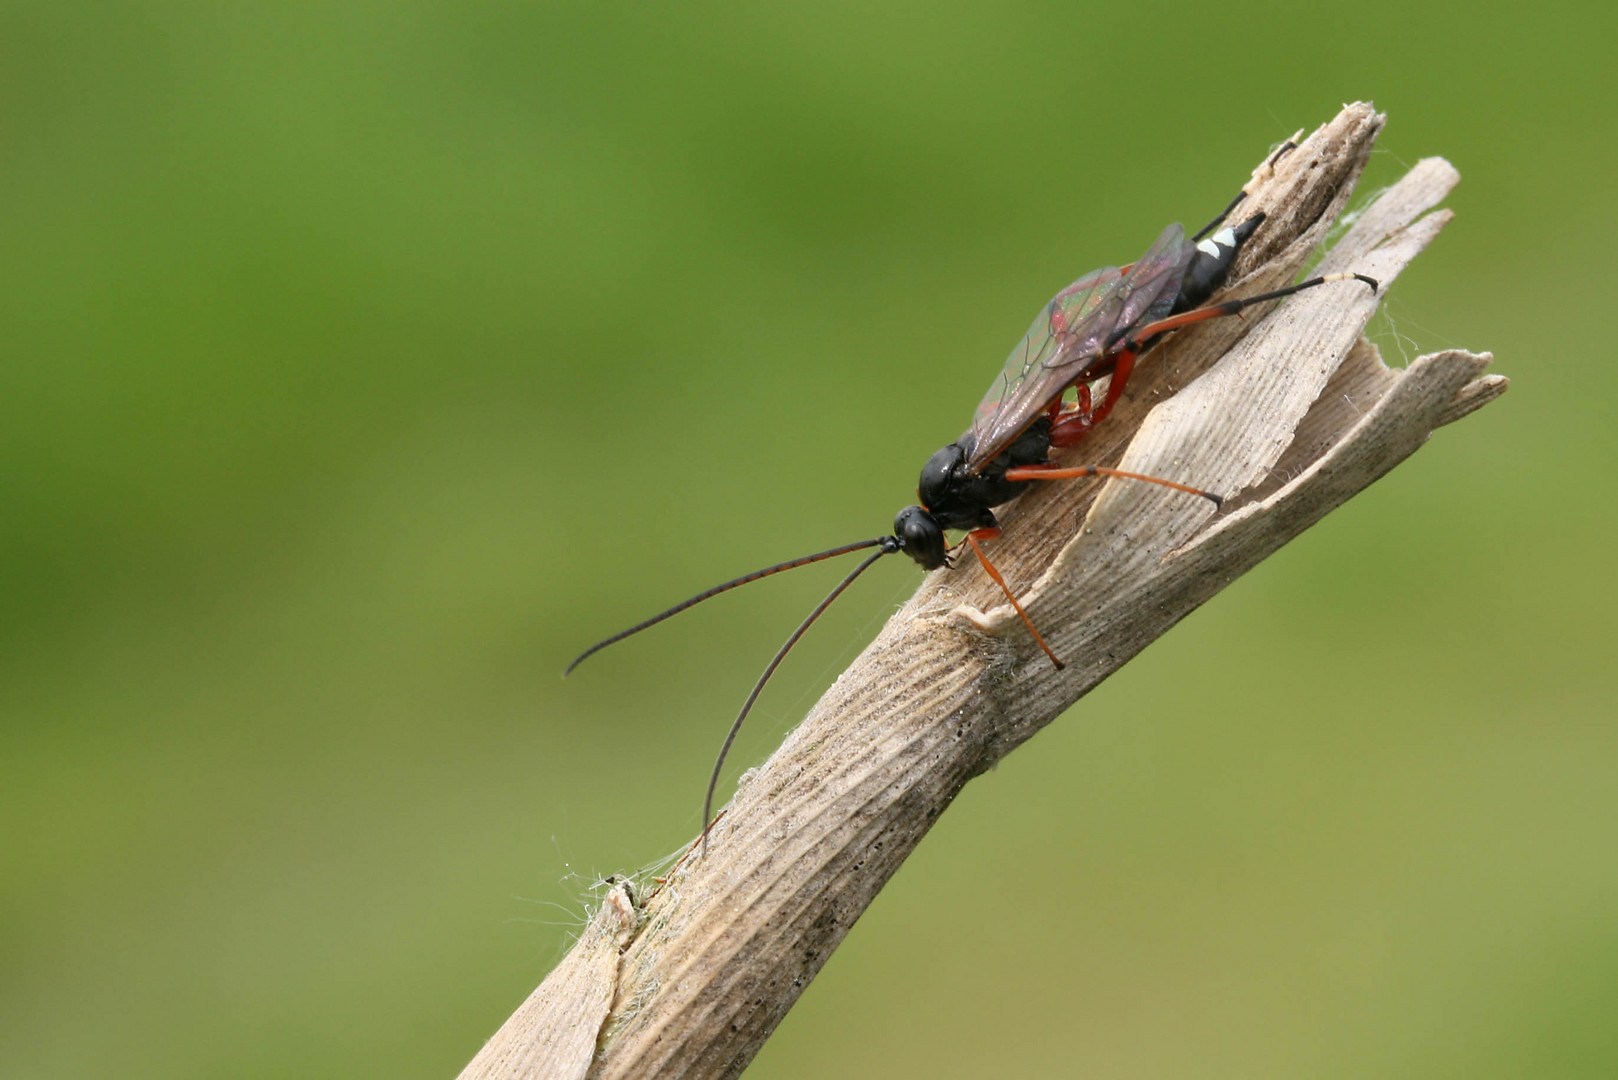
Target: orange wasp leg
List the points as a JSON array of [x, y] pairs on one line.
[[1056, 472], [1068, 419], [1076, 425], [1069, 430], [989, 534], [1132, 344]]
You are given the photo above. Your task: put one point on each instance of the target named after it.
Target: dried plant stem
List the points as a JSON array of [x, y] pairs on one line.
[[1288, 415]]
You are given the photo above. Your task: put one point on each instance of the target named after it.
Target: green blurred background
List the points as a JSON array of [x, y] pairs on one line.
[[362, 362]]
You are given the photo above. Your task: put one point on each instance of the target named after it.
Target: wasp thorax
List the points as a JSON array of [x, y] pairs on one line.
[[940, 475]]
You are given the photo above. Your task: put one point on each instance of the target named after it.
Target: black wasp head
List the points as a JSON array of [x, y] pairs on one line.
[[923, 540]]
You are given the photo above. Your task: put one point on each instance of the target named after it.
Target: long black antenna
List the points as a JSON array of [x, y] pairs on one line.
[[880, 541], [889, 545]]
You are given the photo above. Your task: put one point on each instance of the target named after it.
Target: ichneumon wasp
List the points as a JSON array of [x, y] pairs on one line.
[[1096, 328]]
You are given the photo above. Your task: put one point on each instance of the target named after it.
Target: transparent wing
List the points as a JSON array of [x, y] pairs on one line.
[[1049, 357], [1080, 327]]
